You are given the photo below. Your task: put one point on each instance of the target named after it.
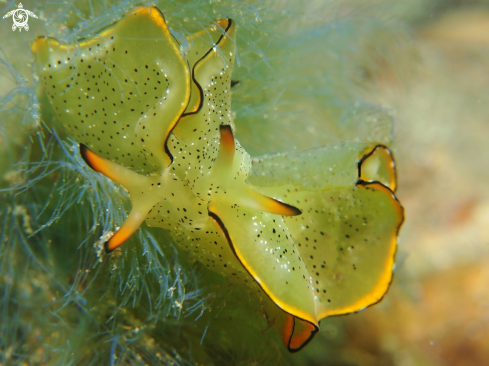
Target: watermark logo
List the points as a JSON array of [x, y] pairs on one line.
[[20, 16]]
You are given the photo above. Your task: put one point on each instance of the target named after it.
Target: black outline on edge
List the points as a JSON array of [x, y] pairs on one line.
[[219, 222], [106, 247], [294, 350], [83, 153], [398, 229], [366, 156], [201, 91], [297, 211], [113, 24]]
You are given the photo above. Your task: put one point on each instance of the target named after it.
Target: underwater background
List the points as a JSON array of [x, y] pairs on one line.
[[410, 74]]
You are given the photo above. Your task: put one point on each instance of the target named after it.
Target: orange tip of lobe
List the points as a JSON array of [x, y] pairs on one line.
[[117, 240], [264, 203], [297, 333], [227, 137], [227, 145], [133, 222], [280, 208], [101, 165], [93, 160]]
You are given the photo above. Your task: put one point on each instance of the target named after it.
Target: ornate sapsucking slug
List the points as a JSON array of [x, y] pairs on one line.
[[314, 232]]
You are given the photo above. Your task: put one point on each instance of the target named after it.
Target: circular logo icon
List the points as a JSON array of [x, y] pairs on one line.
[[20, 17]]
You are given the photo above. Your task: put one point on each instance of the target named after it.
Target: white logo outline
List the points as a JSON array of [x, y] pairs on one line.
[[20, 17]]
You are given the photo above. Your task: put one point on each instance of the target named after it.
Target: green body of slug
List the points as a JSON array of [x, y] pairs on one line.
[[316, 230], [125, 87]]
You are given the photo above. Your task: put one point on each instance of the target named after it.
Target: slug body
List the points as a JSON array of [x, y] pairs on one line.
[[315, 231]]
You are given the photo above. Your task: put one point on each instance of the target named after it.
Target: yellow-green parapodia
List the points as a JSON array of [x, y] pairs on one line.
[[315, 232]]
